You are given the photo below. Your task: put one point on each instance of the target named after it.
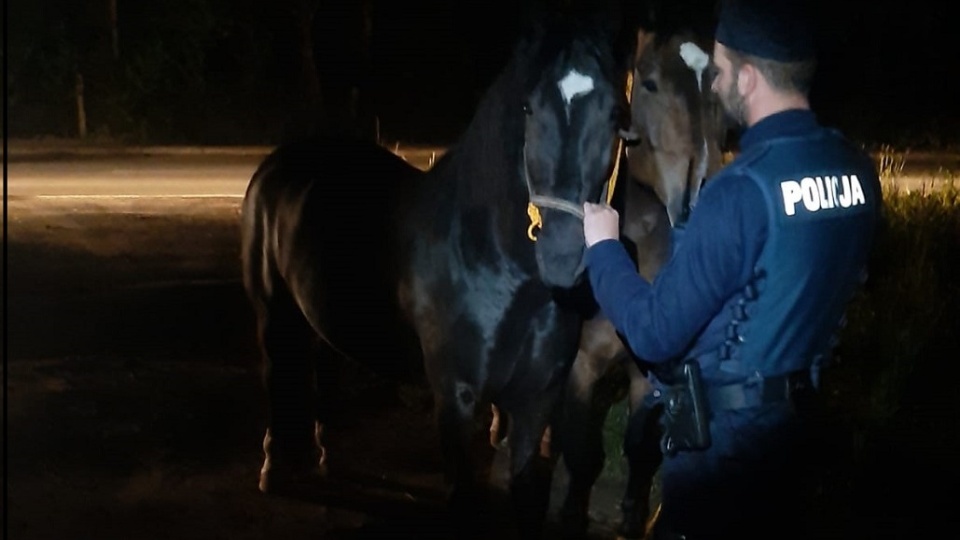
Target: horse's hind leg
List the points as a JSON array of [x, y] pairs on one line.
[[292, 451], [642, 447]]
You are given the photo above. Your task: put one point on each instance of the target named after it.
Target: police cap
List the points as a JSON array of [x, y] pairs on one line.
[[774, 29]]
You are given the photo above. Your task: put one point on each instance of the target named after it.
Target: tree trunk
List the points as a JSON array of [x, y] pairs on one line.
[[81, 107], [366, 115], [309, 115], [342, 33], [114, 34]]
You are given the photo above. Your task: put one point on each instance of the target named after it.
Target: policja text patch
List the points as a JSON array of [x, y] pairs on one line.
[[822, 192]]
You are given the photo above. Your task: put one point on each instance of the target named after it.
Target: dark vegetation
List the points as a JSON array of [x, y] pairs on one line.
[[253, 72]]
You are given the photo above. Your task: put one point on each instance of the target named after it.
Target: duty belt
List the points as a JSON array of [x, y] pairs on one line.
[[759, 390]]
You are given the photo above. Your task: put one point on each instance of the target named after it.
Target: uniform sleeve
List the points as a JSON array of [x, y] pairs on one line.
[[715, 258]]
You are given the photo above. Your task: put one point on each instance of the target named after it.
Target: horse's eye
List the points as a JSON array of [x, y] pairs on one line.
[[649, 84], [527, 108]]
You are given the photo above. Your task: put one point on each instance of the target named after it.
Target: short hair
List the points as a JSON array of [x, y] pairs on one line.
[[794, 76]]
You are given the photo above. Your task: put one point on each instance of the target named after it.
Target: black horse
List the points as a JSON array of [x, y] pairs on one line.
[[469, 263], [680, 133]]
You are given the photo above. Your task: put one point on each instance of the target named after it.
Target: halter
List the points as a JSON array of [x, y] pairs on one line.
[[533, 207]]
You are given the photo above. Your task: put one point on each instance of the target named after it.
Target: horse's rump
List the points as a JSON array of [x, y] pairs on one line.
[[320, 229]]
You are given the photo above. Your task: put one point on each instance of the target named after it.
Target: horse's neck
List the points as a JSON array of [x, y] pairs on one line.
[[477, 203], [480, 174]]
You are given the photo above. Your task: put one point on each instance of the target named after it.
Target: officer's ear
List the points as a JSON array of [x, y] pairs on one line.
[[747, 78]]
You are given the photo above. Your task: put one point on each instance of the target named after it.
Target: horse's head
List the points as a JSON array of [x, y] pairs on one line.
[[574, 103], [678, 120]]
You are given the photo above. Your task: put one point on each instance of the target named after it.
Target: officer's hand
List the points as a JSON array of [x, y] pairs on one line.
[[600, 222]]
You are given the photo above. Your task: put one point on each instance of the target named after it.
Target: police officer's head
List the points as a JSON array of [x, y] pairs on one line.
[[774, 37]]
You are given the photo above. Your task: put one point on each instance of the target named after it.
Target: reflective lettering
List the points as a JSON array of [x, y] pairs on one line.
[[857, 190], [822, 191], [791, 196], [834, 183], [845, 194], [819, 193], [811, 200]]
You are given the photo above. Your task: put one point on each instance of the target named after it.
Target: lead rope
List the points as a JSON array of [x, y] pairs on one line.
[[533, 211]]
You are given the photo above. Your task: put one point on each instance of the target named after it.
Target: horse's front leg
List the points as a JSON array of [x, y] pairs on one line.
[[531, 469], [642, 447], [584, 412], [456, 409]]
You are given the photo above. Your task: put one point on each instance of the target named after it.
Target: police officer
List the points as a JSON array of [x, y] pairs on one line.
[[755, 291]]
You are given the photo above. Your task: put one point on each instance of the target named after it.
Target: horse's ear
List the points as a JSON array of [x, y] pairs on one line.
[[622, 18], [668, 16], [641, 14], [533, 16], [644, 38], [607, 13]]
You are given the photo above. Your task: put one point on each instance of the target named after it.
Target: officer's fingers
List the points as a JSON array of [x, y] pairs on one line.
[[608, 210], [596, 208]]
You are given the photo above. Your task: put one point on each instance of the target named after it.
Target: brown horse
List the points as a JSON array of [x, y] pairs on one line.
[[681, 129]]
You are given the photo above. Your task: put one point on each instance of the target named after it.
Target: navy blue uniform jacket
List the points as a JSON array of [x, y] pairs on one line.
[[763, 270]]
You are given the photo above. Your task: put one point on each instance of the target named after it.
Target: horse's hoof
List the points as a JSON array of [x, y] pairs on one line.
[[574, 523], [468, 512], [290, 482], [573, 531], [292, 475], [629, 531], [634, 524]]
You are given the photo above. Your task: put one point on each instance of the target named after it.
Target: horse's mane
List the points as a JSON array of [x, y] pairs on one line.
[[490, 145]]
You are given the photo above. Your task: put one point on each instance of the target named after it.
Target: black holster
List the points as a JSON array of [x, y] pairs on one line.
[[686, 419]]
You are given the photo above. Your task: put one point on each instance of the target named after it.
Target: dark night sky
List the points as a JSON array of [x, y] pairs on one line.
[[885, 58], [884, 64]]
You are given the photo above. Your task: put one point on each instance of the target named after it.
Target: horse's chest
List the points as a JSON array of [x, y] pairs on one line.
[[447, 296]]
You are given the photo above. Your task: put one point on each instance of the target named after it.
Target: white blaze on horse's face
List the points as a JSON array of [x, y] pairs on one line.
[[574, 84], [696, 59]]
